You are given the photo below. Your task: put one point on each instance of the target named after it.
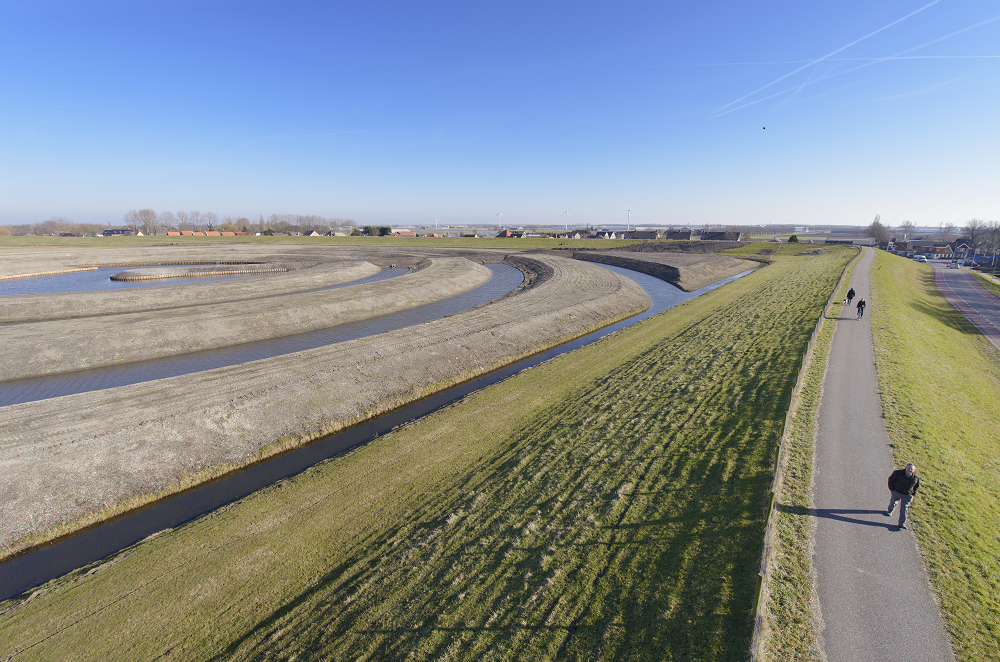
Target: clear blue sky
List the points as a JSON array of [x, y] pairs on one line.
[[396, 113]]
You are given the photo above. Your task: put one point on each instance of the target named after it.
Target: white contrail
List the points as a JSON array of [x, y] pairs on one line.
[[897, 56], [26, 134], [832, 59], [828, 55]]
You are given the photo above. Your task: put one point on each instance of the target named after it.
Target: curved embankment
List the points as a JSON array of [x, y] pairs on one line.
[[70, 457], [688, 271], [43, 348], [20, 308]]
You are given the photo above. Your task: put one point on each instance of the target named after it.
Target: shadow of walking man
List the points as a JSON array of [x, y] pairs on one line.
[[839, 514]]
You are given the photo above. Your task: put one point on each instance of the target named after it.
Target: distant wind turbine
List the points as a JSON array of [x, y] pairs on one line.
[[435, 223], [499, 220], [629, 225], [567, 218]]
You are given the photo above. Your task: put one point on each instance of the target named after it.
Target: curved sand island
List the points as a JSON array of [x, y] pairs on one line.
[[94, 342], [71, 457]]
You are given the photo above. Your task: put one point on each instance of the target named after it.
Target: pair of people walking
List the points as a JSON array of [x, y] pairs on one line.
[[861, 303], [903, 486]]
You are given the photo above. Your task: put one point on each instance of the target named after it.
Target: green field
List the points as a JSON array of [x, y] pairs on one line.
[[608, 504], [478, 243], [940, 381]]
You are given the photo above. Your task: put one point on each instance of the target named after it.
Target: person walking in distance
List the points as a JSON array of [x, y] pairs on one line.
[[850, 296], [903, 485], [861, 308]]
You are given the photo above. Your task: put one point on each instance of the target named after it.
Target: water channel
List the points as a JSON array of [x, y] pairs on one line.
[[43, 564], [87, 281], [505, 278]]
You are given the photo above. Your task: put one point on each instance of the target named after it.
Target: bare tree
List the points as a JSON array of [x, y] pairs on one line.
[[167, 220], [210, 219], [991, 237], [132, 220], [194, 218], [975, 230], [878, 231], [947, 229], [148, 219], [907, 229]]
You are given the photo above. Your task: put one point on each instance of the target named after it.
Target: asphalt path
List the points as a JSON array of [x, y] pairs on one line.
[[974, 301], [875, 599]]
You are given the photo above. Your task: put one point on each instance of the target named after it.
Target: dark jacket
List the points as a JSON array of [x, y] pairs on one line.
[[899, 481]]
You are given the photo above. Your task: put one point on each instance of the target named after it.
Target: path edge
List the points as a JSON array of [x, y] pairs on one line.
[[760, 633]]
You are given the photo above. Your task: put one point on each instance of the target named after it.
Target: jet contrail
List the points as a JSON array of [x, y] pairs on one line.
[[832, 59], [897, 56], [828, 55], [26, 134]]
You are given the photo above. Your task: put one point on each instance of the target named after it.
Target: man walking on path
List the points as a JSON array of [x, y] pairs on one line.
[[875, 602], [850, 296], [903, 485]]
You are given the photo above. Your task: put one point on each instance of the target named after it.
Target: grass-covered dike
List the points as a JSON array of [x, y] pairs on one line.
[[940, 382], [608, 504]]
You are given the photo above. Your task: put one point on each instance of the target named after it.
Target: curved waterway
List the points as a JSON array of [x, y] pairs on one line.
[[87, 281], [41, 565], [100, 279], [505, 278]]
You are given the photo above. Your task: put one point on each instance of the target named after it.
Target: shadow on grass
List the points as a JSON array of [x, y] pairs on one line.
[[838, 514]]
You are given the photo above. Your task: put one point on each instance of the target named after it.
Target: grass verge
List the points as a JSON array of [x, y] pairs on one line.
[[607, 504], [991, 285], [940, 379], [789, 610]]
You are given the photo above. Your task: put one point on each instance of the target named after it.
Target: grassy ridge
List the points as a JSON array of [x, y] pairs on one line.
[[607, 504], [940, 381], [790, 633]]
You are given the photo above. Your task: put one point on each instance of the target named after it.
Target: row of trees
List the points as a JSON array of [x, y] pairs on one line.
[[54, 225], [981, 234], [149, 222]]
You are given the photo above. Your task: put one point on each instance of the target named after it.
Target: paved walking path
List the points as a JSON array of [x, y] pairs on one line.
[[875, 598]]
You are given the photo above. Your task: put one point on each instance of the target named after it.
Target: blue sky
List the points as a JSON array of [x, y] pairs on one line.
[[397, 113]]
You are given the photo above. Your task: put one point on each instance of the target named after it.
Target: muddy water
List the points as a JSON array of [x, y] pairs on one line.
[[46, 563], [505, 278]]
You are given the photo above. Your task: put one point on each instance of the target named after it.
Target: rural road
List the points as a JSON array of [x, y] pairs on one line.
[[965, 293], [875, 598]]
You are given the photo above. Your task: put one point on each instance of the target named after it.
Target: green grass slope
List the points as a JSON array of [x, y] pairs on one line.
[[608, 504], [940, 381]]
